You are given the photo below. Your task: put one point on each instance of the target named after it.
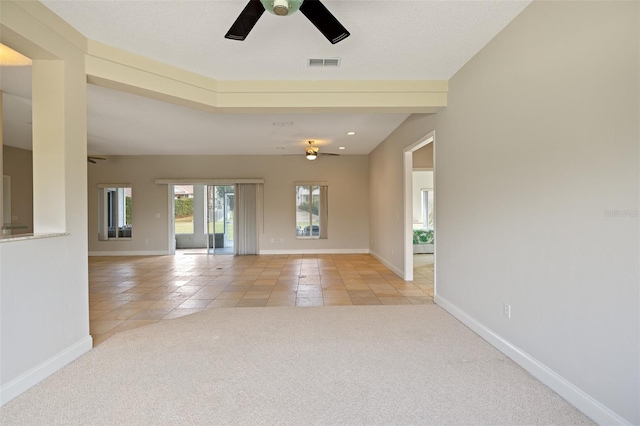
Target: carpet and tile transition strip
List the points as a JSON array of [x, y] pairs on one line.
[[377, 365]]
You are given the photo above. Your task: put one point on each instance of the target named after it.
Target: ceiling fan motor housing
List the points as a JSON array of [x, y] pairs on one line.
[[314, 11], [281, 7]]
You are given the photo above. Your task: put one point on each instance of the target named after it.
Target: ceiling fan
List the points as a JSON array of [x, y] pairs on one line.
[[92, 159], [312, 152], [314, 10]]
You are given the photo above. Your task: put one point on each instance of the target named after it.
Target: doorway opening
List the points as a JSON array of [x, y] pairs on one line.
[[419, 204], [203, 218], [220, 210]]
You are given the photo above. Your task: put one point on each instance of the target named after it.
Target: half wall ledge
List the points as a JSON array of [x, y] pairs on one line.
[[22, 237]]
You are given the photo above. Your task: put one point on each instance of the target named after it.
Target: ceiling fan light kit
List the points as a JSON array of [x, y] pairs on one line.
[[314, 10], [312, 151]]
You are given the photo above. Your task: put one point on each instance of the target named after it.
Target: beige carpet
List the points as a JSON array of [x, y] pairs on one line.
[[364, 365]]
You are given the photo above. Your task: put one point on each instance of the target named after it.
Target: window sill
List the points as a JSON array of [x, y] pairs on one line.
[[22, 237], [117, 239]]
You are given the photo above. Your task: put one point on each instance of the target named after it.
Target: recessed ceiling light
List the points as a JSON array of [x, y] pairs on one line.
[[283, 123], [351, 133], [341, 147], [280, 147]]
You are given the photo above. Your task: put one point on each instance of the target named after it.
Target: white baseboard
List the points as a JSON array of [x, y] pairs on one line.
[[43, 370], [292, 251], [576, 396], [129, 253], [316, 251], [387, 264]]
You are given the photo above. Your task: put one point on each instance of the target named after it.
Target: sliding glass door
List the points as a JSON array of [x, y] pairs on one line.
[[220, 210], [211, 214]]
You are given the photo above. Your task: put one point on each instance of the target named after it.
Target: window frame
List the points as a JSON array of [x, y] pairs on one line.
[[310, 203], [106, 210], [425, 192], [322, 221]]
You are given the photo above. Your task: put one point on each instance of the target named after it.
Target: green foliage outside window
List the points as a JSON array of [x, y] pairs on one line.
[[128, 209], [305, 208], [184, 207], [423, 236]]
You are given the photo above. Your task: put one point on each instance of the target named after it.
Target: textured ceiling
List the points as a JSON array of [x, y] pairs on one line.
[[15, 83], [390, 40], [16, 117], [122, 123]]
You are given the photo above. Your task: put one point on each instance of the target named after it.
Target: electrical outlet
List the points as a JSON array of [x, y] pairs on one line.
[[506, 310], [273, 240], [146, 241]]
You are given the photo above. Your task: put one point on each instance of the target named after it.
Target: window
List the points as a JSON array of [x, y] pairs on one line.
[[184, 197], [114, 213], [311, 211], [427, 208]]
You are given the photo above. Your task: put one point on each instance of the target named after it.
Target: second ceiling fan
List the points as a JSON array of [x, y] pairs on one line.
[[312, 152], [314, 10]]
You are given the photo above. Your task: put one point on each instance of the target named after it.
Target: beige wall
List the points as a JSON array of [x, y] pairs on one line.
[[423, 158], [539, 140], [386, 179], [348, 197], [18, 164], [44, 308]]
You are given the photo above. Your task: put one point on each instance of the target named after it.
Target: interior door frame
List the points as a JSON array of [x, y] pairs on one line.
[[408, 202]]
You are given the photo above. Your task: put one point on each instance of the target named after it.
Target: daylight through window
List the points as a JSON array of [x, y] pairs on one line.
[[311, 211], [114, 210], [427, 208]]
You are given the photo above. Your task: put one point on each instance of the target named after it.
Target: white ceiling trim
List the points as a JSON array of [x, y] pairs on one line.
[[114, 68]]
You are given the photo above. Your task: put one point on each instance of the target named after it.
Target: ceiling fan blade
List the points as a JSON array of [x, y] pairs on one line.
[[320, 16], [92, 159], [246, 20], [328, 153]]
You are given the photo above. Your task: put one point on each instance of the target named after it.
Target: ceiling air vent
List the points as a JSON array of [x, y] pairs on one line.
[[323, 62]]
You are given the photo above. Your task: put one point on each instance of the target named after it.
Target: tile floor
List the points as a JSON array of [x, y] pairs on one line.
[[130, 292]]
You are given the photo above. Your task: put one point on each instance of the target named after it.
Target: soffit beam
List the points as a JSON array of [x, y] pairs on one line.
[[117, 69]]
